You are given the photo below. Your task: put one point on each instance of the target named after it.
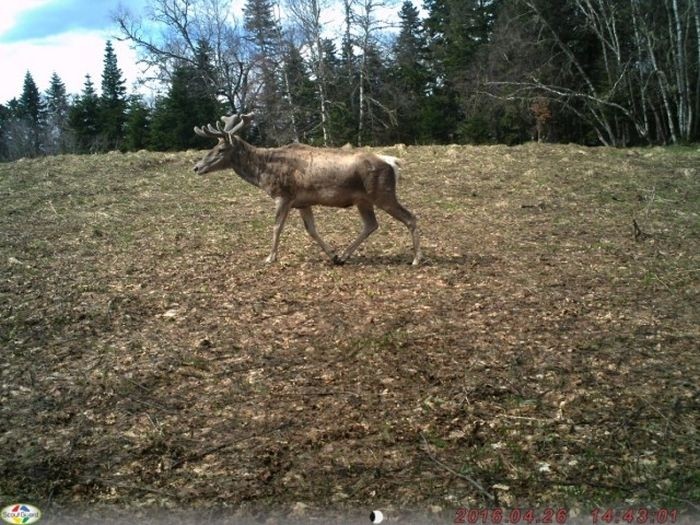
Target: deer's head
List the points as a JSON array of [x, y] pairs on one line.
[[221, 156]]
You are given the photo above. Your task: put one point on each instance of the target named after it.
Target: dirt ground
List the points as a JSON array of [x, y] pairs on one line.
[[545, 355]]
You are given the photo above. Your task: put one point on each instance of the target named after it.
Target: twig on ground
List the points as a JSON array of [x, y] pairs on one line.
[[478, 486], [211, 450], [108, 482], [152, 405], [319, 393]]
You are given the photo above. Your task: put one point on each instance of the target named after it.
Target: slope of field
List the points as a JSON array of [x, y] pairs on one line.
[[544, 355]]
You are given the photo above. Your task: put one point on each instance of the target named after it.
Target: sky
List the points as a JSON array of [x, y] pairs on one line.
[[63, 36], [67, 37]]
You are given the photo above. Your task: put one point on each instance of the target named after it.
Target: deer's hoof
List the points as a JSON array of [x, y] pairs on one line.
[[338, 261]]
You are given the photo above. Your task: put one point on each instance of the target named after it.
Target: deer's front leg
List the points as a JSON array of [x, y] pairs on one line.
[[308, 217], [282, 207]]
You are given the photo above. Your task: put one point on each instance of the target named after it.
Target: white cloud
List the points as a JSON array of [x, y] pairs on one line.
[[10, 11], [70, 55]]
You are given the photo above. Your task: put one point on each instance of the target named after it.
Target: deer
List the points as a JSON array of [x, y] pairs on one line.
[[299, 176]]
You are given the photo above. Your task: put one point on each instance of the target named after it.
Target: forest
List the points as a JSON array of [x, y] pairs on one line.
[[593, 72]]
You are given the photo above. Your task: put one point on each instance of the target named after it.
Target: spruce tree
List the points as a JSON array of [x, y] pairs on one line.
[[410, 74], [138, 119], [345, 109], [5, 119], [410, 44], [84, 119], [56, 115], [456, 30], [341, 81], [303, 95], [263, 33], [186, 105], [31, 113], [112, 101]]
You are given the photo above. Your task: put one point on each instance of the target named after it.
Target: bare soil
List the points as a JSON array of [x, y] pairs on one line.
[[544, 355]]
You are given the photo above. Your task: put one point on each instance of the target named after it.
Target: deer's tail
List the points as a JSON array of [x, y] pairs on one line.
[[394, 162]]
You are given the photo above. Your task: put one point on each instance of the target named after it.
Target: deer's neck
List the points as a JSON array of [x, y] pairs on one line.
[[246, 163]]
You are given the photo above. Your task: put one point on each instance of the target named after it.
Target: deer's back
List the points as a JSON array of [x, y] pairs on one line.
[[329, 177]]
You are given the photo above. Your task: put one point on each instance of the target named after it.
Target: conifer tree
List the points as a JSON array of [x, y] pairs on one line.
[[410, 74], [185, 106], [112, 101], [345, 110], [263, 33], [84, 119], [57, 107], [5, 119], [138, 119], [302, 92], [339, 93], [456, 30], [31, 114]]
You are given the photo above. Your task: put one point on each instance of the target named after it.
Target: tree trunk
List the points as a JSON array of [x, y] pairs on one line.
[[696, 15]]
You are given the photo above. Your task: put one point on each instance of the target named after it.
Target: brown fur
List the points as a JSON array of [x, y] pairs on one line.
[[301, 176]]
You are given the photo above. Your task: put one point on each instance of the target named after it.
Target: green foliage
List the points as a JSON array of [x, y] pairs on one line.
[[30, 119], [475, 130], [112, 106], [5, 118], [265, 36], [186, 105], [303, 94], [57, 108], [342, 77], [31, 106], [457, 30], [439, 117], [138, 119], [84, 119], [97, 122], [260, 24], [409, 75]]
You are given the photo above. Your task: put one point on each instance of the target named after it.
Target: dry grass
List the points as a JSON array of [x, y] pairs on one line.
[[547, 350]]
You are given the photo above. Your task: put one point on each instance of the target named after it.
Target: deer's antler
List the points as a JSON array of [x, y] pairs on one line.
[[232, 125]]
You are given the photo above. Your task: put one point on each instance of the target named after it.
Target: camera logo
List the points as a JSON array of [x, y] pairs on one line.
[[20, 514]]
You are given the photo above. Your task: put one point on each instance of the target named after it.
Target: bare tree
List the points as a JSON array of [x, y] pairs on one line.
[[696, 17], [184, 26], [680, 66], [668, 58], [643, 64], [307, 15], [364, 17], [285, 44]]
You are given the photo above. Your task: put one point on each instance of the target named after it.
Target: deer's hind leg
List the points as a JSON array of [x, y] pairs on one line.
[[369, 221], [396, 210]]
